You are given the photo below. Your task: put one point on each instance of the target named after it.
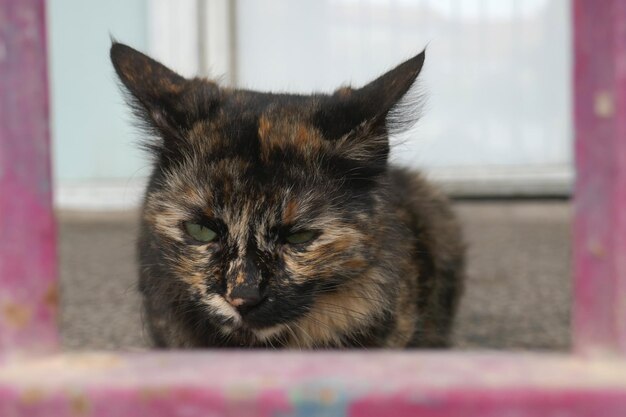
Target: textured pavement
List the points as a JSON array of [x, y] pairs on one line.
[[517, 294]]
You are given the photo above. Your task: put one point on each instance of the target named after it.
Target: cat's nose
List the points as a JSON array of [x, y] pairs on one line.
[[244, 297]]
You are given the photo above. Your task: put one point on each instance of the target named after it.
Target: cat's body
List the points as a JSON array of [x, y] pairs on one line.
[[275, 220]]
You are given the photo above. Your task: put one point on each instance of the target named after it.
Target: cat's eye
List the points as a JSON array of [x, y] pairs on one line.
[[300, 237], [199, 232]]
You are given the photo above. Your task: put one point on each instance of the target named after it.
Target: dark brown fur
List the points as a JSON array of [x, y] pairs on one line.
[[385, 266]]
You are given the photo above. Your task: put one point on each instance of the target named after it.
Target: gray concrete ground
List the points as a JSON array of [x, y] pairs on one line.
[[517, 295]]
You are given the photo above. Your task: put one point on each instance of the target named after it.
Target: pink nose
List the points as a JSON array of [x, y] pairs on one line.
[[236, 302], [244, 297]]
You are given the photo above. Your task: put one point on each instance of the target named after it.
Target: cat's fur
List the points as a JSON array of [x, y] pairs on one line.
[[385, 268]]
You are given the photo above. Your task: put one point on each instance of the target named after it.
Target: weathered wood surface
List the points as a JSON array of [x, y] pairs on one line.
[[599, 311], [28, 282], [357, 384]]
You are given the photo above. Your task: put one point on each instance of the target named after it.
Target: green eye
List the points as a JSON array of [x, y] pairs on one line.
[[199, 232], [300, 237]]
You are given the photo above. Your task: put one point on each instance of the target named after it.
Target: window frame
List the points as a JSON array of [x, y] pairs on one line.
[[36, 379]]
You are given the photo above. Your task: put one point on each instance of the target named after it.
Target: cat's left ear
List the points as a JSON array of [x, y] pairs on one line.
[[361, 119]]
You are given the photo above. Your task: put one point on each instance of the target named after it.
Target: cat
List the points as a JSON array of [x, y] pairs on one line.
[[276, 221]]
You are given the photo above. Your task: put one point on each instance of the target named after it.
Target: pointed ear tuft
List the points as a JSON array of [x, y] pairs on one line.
[[154, 92], [165, 103], [397, 106], [148, 80], [348, 109], [360, 120]]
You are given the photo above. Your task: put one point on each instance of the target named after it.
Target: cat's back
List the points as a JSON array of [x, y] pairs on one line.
[[437, 250]]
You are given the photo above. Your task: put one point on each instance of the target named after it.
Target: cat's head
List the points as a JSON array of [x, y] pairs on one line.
[[265, 204]]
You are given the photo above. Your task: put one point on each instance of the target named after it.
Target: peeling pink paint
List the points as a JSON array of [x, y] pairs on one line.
[[27, 232], [356, 384], [599, 313], [495, 403]]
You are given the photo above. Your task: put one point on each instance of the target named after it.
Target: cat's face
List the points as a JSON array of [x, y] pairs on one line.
[[262, 205], [257, 237]]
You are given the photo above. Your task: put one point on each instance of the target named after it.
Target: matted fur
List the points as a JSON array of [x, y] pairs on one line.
[[385, 265]]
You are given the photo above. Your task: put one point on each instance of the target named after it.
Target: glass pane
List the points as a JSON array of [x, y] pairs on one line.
[[496, 79]]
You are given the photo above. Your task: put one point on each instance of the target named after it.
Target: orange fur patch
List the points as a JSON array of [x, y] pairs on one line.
[[289, 214], [264, 127], [302, 135]]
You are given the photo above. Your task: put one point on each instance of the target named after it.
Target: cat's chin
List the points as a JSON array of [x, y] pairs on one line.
[[267, 333], [251, 336], [260, 333]]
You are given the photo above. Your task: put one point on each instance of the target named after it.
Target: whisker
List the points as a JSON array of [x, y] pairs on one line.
[[313, 344], [295, 338]]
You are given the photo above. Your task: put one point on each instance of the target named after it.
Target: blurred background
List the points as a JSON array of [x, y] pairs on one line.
[[497, 80], [495, 132]]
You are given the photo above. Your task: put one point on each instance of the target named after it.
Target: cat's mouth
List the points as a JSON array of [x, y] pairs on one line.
[[228, 315], [244, 319], [233, 321]]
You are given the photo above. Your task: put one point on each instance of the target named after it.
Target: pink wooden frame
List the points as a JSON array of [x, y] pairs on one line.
[[36, 380], [600, 199], [28, 276]]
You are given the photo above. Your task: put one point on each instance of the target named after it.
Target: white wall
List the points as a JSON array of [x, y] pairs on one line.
[[92, 135]]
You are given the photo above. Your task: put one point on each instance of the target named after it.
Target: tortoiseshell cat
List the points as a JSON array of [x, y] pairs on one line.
[[274, 220]]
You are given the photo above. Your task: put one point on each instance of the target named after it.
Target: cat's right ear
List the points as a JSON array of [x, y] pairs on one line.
[[166, 102]]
